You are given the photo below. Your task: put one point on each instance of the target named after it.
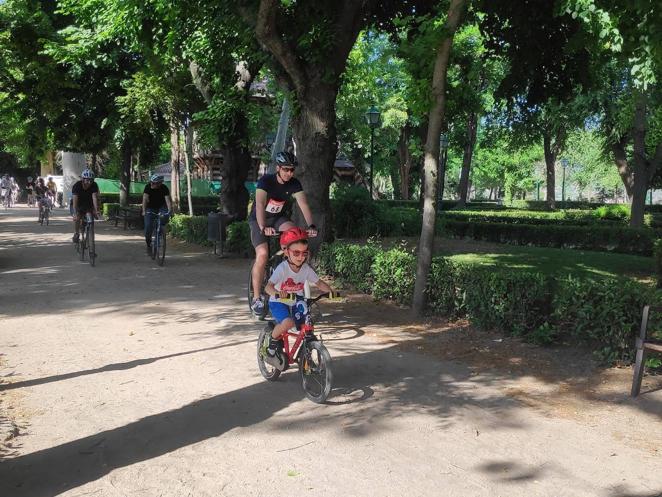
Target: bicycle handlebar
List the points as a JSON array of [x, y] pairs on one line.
[[292, 298]]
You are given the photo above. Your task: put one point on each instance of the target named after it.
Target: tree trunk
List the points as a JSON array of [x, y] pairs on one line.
[[621, 160], [644, 168], [126, 153], [174, 165], [188, 159], [405, 160], [550, 163], [431, 165], [315, 132], [472, 127]]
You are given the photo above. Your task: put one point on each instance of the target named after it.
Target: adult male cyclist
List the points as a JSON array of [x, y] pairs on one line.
[[29, 189], [85, 199], [52, 190], [270, 214], [156, 200]]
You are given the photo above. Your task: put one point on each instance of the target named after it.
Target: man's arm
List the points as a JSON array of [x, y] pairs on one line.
[[303, 205], [75, 203], [260, 205], [144, 206], [95, 203]]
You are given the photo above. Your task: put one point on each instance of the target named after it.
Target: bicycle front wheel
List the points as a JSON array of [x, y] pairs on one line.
[[90, 246], [161, 248], [83, 244], [47, 217], [268, 371], [315, 370]]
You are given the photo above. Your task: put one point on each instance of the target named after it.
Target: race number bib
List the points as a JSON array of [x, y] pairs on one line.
[[275, 206]]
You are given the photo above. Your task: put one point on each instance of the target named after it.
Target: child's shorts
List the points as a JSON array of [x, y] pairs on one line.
[[280, 312]]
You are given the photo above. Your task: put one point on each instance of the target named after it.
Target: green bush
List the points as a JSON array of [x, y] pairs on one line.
[[355, 214], [190, 229], [615, 212], [517, 303], [239, 238], [110, 210], [399, 221], [637, 241], [394, 274], [350, 262], [604, 312]]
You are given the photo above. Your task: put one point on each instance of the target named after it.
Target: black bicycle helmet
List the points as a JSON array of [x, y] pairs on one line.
[[286, 159]]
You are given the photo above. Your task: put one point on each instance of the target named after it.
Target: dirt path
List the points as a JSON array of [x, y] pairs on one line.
[[133, 380]]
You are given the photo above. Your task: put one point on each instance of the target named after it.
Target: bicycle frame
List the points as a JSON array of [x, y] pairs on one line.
[[305, 329]]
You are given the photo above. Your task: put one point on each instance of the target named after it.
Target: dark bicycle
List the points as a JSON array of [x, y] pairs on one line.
[[44, 211], [85, 242], [159, 238]]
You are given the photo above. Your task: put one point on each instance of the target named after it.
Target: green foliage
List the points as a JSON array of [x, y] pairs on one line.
[[542, 309], [349, 262], [355, 213], [614, 212], [605, 312], [637, 241], [394, 274], [239, 238], [110, 210], [190, 229]]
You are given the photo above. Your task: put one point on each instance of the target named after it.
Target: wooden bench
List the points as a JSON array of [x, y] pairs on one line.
[[644, 345], [130, 216]]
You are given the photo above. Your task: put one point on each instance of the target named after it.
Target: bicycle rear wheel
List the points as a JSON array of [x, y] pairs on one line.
[[268, 371], [83, 244], [91, 250], [315, 370], [161, 248]]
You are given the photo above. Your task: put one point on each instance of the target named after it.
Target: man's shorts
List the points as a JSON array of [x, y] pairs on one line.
[[257, 237]]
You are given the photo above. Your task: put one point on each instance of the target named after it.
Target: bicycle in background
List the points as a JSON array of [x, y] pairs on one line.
[[85, 243], [158, 245], [44, 210]]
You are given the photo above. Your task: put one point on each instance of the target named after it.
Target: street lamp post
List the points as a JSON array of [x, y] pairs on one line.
[[372, 117], [443, 154], [564, 164]]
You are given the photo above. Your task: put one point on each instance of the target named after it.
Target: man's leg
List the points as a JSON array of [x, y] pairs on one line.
[[261, 256], [149, 216]]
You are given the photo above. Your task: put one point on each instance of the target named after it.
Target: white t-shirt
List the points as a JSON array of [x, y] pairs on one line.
[[284, 278]]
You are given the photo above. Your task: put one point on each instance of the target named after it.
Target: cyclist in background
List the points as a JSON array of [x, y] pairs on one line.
[[40, 192], [13, 186], [52, 190], [85, 199], [29, 189], [156, 201], [4, 186], [270, 214]]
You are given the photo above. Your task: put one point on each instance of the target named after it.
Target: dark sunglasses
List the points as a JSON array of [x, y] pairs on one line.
[[299, 253], [287, 169]]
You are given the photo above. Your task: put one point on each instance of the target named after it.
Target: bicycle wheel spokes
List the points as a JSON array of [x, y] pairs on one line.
[[316, 375], [268, 371]]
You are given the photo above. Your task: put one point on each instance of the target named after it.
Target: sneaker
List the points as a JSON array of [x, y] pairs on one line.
[[257, 306], [274, 355], [76, 238]]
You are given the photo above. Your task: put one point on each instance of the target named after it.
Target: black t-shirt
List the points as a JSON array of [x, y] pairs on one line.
[[40, 190], [279, 196], [156, 196], [84, 196], [29, 186]]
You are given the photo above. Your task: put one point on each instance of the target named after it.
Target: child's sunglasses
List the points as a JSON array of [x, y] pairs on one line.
[[299, 253]]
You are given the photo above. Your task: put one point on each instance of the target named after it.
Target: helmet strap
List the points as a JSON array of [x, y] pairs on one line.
[[292, 265]]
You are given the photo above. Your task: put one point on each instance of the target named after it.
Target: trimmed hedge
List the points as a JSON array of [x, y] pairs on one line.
[[239, 238], [604, 313], [190, 229], [637, 241]]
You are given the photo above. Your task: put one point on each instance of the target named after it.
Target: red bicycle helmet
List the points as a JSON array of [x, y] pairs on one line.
[[291, 236]]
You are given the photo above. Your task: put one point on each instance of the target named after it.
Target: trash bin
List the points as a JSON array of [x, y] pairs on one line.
[[213, 227], [216, 229]]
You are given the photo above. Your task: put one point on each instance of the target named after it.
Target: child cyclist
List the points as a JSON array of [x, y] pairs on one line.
[[289, 276]]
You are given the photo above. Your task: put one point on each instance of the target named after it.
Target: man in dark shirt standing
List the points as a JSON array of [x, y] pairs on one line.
[[270, 214], [85, 199], [156, 200]]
